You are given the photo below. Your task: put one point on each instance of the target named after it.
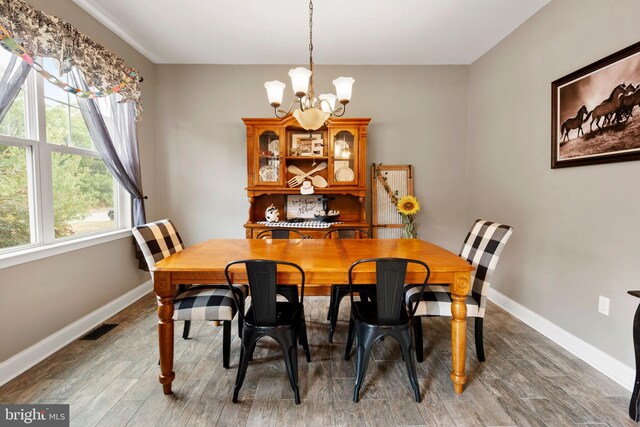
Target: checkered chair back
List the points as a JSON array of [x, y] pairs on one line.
[[482, 248], [160, 239], [157, 240]]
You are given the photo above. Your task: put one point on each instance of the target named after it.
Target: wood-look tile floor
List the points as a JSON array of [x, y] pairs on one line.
[[527, 380]]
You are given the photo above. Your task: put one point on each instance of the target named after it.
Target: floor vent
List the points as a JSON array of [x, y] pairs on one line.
[[98, 331]]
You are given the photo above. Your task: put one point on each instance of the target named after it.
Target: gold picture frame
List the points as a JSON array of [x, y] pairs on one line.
[[306, 145]]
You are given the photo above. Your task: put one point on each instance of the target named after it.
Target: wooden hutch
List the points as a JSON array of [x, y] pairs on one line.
[[274, 146]]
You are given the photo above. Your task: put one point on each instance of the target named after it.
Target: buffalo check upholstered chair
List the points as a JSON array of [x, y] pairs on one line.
[[158, 240], [481, 248]]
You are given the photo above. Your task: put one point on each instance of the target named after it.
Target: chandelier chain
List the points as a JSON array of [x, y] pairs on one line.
[[311, 33], [310, 91]]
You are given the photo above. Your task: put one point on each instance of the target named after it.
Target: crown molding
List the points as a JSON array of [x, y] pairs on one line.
[[90, 7]]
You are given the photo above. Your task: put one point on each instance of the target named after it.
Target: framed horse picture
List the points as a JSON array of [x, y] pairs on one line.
[[594, 118]]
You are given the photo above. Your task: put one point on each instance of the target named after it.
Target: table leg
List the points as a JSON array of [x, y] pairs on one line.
[[459, 290], [164, 294]]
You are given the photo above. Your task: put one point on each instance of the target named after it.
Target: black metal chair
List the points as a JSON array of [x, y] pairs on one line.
[[340, 291], [281, 233], [290, 292], [388, 315], [282, 321]]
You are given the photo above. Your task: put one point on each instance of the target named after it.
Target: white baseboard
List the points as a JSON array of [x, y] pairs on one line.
[[11, 368], [613, 368]]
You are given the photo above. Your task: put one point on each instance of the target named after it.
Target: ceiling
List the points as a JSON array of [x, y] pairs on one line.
[[355, 32]]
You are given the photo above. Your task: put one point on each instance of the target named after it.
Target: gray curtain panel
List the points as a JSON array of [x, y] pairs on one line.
[[11, 82], [117, 144]]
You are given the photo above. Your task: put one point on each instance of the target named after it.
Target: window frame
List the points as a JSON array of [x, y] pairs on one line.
[[40, 187]]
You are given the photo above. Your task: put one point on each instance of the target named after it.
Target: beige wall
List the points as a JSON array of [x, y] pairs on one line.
[[42, 297], [576, 229], [418, 113]]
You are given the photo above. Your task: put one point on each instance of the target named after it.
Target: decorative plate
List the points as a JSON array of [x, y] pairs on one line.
[[344, 174], [268, 173], [274, 147]]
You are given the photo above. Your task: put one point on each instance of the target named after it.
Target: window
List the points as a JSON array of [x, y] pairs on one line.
[[54, 186], [15, 218]]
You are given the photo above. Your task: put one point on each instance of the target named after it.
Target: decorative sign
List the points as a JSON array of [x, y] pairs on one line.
[[388, 184], [303, 206]]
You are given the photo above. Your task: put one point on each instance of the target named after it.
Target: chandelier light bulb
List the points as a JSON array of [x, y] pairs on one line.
[[275, 90], [300, 80], [343, 88], [307, 102], [328, 102]]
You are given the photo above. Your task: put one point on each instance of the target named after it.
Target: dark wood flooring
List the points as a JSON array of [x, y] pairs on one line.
[[527, 380]]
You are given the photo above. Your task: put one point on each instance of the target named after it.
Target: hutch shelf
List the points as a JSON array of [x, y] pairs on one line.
[[279, 149]]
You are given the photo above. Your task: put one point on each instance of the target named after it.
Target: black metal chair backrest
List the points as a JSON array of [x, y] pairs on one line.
[[390, 281], [262, 276], [348, 233], [280, 233]]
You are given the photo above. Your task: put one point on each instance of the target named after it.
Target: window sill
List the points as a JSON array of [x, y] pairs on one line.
[[44, 251]]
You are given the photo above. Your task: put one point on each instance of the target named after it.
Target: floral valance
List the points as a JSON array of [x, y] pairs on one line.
[[29, 33]]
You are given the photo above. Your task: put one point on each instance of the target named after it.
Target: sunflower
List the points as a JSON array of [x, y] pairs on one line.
[[408, 205]]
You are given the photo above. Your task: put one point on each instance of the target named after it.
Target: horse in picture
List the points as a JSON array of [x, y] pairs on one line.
[[607, 108], [628, 101], [575, 123]]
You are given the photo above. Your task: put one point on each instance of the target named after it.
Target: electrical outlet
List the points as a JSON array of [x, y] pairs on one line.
[[603, 305]]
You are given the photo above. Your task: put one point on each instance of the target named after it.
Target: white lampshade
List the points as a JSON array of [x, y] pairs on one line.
[[343, 88], [328, 102], [311, 119], [275, 90], [308, 103], [300, 80]]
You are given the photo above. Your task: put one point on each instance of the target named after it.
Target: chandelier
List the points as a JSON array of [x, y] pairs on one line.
[[312, 112]]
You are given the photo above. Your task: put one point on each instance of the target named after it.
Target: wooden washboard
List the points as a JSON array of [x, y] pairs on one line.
[[386, 221]]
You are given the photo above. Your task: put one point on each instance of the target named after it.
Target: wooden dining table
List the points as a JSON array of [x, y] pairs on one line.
[[325, 262]]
